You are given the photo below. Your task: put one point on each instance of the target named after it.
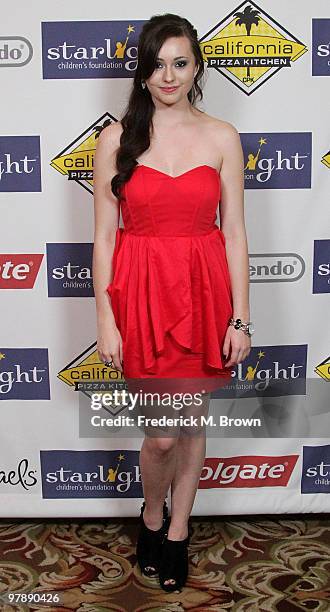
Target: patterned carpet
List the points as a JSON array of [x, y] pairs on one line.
[[241, 564]]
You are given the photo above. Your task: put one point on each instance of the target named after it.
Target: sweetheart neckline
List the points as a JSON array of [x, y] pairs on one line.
[[179, 175]]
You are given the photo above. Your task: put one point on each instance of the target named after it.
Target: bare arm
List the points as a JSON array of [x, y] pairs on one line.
[[106, 220], [237, 345], [232, 220]]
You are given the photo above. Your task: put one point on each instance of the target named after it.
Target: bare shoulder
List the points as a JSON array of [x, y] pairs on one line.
[[224, 131], [224, 138]]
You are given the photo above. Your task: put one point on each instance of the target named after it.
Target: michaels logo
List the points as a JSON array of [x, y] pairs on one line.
[[321, 47], [247, 471], [95, 473], [76, 160], [69, 269], [15, 51], [316, 469], [248, 47], [19, 477], [276, 267], [271, 371], [89, 49], [19, 271], [277, 160], [321, 266], [24, 374], [20, 163]]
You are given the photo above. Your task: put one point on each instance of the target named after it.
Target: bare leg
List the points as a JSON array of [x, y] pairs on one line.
[[190, 456], [157, 465]]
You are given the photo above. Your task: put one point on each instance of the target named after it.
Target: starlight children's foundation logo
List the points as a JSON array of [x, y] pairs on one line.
[[277, 370], [89, 49], [321, 266], [20, 164], [248, 47], [315, 476], [95, 473], [75, 161], [277, 160], [24, 374], [69, 269], [321, 47]]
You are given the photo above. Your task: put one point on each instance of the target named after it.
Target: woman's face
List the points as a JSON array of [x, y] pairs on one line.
[[175, 70]]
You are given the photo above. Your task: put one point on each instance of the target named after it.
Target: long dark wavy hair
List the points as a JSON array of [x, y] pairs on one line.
[[137, 118]]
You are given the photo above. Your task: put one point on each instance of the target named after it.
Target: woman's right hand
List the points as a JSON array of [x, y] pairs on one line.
[[110, 344]]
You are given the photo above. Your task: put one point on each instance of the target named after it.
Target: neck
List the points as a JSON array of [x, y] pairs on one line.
[[171, 116]]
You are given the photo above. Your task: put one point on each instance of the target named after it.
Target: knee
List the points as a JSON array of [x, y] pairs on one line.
[[161, 446]]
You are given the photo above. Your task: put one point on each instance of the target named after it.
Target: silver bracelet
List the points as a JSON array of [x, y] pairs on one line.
[[245, 327]]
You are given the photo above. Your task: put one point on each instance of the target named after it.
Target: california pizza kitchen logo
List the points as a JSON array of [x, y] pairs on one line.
[[326, 158], [323, 369], [248, 47], [76, 160], [88, 374]]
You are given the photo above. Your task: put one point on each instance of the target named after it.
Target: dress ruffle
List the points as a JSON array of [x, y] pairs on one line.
[[175, 284]]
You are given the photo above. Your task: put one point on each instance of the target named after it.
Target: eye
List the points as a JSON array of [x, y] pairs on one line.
[[180, 63]]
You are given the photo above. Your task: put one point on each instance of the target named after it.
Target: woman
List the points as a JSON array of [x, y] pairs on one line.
[[177, 306]]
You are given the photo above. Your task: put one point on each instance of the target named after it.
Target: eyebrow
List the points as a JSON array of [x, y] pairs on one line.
[[176, 58]]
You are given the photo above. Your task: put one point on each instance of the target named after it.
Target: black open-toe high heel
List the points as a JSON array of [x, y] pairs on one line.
[[149, 544], [174, 563]]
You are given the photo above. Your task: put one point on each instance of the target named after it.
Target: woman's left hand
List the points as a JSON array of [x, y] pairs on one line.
[[239, 344]]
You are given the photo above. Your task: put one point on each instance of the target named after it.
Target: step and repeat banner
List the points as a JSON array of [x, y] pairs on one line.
[[66, 73]]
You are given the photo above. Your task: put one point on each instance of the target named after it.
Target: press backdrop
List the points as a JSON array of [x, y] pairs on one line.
[[66, 72]]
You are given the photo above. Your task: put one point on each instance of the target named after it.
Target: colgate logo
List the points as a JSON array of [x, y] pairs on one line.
[[247, 471], [19, 271]]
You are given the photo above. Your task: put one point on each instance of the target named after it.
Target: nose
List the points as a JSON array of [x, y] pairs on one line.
[[168, 76]]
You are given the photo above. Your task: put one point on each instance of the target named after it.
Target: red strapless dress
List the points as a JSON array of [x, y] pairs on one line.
[[170, 292]]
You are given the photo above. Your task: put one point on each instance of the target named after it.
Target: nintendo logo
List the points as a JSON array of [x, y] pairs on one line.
[[15, 51], [276, 267]]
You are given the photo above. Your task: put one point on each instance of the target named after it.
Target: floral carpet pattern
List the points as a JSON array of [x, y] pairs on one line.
[[243, 564]]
